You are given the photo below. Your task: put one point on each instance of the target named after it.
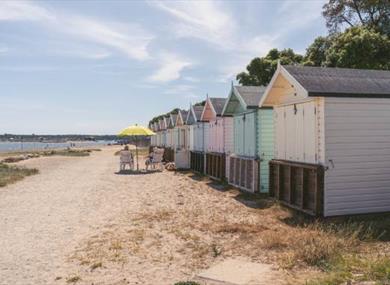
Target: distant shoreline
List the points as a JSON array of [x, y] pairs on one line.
[[22, 147]]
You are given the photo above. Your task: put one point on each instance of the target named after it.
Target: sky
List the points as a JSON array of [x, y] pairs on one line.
[[95, 67]]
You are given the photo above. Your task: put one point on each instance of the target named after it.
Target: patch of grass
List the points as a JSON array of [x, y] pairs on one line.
[[68, 152], [356, 268], [238, 228], [217, 251], [11, 174], [73, 279], [96, 265]]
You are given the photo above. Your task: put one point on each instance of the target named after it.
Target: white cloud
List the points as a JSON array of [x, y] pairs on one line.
[[212, 22], [130, 39], [170, 68], [204, 20], [179, 89], [23, 11], [127, 38]]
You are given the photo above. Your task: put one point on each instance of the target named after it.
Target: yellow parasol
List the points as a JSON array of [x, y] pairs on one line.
[[136, 131]]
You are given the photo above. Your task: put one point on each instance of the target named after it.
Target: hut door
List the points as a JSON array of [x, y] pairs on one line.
[[238, 135], [280, 133], [295, 129], [310, 132], [291, 132]]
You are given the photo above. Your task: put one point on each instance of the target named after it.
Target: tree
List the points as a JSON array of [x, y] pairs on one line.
[[359, 48], [260, 70], [316, 52], [373, 14]]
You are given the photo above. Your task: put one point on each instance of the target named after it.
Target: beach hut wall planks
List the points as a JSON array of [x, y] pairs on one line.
[[253, 138], [153, 138], [332, 145], [196, 137], [170, 142], [162, 125], [182, 153], [218, 131]]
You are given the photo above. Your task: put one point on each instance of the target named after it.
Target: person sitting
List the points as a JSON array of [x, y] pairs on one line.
[[155, 158], [126, 157]]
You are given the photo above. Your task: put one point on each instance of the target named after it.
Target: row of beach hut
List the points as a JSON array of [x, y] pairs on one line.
[[317, 139]]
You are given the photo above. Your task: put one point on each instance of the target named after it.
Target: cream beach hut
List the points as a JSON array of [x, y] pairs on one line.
[[162, 126], [170, 138], [196, 138], [153, 138], [253, 138], [181, 151], [332, 139], [218, 140]]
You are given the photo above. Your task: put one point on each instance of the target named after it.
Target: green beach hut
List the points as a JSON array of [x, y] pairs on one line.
[[253, 138]]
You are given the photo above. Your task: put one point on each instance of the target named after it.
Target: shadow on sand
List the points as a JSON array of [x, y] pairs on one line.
[[254, 201], [219, 186], [137, 172]]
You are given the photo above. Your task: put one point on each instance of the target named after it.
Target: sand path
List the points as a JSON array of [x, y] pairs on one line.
[[43, 216], [80, 219]]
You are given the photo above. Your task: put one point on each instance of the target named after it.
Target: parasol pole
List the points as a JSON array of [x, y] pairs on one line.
[[136, 150]]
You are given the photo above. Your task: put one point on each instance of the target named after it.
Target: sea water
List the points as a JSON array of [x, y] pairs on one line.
[[31, 146]]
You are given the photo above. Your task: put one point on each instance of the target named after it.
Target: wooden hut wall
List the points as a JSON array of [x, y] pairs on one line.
[[245, 133], [228, 144], [356, 136], [207, 134], [187, 141], [199, 136], [191, 135], [176, 138], [265, 149], [216, 136]]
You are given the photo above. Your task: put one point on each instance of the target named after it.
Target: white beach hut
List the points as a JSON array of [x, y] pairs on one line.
[[332, 139], [218, 137], [182, 154], [196, 138]]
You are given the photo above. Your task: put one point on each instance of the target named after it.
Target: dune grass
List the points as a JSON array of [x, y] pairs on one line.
[[12, 174], [68, 152]]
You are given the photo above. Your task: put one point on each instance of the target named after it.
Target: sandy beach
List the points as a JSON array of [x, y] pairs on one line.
[[80, 222]]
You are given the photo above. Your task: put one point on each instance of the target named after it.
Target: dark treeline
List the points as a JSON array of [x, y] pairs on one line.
[[55, 138]]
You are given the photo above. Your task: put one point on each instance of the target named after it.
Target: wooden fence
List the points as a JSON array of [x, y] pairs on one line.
[[197, 161], [298, 185], [216, 165]]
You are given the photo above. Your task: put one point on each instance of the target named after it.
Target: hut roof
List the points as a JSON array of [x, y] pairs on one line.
[[347, 82], [174, 117], [218, 104], [184, 114], [251, 94], [198, 111]]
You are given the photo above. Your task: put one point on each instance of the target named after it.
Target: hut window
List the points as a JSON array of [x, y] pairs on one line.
[[295, 109]]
